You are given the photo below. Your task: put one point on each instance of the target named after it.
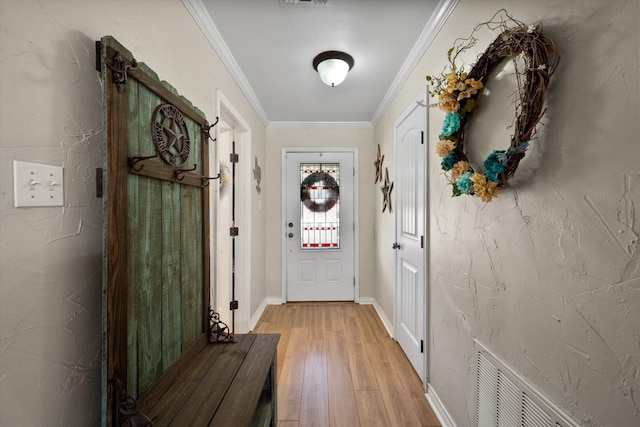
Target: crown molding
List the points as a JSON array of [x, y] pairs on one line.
[[316, 125], [202, 18], [431, 30]]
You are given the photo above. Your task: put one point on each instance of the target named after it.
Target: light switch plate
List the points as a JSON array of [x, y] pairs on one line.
[[35, 184]]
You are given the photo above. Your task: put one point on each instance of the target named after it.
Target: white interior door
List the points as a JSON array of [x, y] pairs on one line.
[[411, 239], [319, 226]]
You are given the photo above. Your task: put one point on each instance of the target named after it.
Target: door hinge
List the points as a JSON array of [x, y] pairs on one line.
[[234, 158], [99, 56], [354, 282], [421, 346], [233, 305], [422, 137], [421, 242], [233, 231], [99, 194]]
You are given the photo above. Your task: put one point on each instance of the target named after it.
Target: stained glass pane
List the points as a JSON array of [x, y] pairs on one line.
[[320, 206]]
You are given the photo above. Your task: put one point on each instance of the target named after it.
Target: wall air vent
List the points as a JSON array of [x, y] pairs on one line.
[[504, 399]]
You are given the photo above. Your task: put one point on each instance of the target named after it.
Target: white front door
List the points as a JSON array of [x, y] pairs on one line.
[[411, 239], [319, 226]]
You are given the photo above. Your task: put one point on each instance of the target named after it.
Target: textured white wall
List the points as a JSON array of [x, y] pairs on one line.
[[547, 275], [313, 137], [50, 258]]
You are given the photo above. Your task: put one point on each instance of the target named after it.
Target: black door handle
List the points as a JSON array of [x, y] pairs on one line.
[[396, 245]]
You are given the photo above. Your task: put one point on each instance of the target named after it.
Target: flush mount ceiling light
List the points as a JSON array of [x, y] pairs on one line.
[[333, 66]]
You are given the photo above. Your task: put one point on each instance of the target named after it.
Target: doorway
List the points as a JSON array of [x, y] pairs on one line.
[[319, 229], [232, 253], [411, 234]]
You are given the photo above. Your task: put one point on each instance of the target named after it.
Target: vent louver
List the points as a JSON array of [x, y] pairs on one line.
[[504, 400], [306, 2]]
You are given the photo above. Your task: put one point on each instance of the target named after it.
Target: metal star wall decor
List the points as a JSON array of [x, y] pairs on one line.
[[378, 165], [257, 175], [387, 188], [170, 135]]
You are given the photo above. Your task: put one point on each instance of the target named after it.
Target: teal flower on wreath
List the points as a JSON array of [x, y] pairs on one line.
[[464, 183], [494, 165], [520, 148], [448, 161], [451, 124]]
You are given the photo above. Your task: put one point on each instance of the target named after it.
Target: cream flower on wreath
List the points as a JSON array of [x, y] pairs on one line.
[[444, 147], [459, 169], [484, 189], [469, 87], [449, 103]]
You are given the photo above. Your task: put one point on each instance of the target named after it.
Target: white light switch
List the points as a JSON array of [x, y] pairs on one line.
[[35, 184]]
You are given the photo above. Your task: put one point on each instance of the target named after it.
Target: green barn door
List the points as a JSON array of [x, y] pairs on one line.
[[157, 224]]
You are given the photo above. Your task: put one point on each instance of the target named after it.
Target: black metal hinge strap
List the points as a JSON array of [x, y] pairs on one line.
[[99, 56], [120, 70], [99, 190]]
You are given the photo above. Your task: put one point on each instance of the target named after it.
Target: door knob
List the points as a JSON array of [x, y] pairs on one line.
[[396, 245], [290, 235]]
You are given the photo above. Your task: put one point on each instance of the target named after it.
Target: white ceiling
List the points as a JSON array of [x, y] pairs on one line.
[[269, 45]]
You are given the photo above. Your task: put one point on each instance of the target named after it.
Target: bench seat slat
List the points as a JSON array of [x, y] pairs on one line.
[[213, 384], [241, 400], [206, 397]]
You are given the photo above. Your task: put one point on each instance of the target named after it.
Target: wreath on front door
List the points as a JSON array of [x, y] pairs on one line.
[[319, 181], [458, 93]]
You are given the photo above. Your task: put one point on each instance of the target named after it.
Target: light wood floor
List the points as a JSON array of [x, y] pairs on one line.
[[337, 366]]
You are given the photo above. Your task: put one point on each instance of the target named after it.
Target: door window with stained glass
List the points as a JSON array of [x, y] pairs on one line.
[[320, 206]]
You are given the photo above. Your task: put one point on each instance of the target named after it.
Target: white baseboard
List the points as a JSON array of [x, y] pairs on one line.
[[366, 300], [363, 300], [383, 317], [438, 408], [263, 305]]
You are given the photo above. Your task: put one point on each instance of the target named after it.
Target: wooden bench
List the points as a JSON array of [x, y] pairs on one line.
[[230, 384]]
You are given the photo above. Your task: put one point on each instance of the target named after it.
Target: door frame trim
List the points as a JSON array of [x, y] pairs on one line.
[[226, 111], [283, 211], [422, 98]]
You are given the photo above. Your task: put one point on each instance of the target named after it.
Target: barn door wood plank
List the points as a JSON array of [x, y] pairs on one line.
[[134, 270], [116, 251], [171, 272], [191, 234]]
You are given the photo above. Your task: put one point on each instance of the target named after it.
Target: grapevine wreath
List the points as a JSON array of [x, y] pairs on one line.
[[458, 93]]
